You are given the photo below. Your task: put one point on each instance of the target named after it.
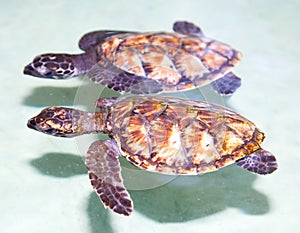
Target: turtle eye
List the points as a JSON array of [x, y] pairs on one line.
[[39, 120]]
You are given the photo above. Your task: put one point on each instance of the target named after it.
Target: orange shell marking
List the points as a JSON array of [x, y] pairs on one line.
[[181, 138], [178, 62]]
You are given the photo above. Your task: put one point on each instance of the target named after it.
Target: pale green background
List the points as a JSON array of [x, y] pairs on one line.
[[44, 185]]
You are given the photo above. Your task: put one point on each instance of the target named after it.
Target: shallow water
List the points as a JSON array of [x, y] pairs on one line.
[[44, 185]]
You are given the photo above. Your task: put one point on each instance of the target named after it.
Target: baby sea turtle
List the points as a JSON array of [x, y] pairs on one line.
[[157, 134], [145, 63]]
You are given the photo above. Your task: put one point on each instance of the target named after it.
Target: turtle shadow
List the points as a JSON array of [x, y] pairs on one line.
[[50, 96], [205, 93], [63, 165], [67, 96], [59, 165], [183, 199], [98, 216], [88, 92], [192, 197]]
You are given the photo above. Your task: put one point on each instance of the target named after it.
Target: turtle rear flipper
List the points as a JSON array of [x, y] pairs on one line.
[[95, 38], [109, 75], [260, 161], [105, 175], [186, 28], [227, 85]]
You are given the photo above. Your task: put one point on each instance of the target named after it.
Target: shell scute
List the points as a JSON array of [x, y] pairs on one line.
[[191, 67], [159, 66], [109, 47], [213, 61], [129, 59], [135, 40], [183, 137], [133, 133], [199, 145], [169, 41], [120, 112], [149, 109], [223, 49], [193, 45], [178, 62]]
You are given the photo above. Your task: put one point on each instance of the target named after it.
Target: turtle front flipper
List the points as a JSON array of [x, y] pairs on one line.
[[95, 38], [227, 85], [260, 161], [186, 28], [105, 176], [109, 75]]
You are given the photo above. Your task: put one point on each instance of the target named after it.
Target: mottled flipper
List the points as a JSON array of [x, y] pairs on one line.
[[261, 162], [94, 38], [227, 85], [186, 28], [107, 74], [105, 176]]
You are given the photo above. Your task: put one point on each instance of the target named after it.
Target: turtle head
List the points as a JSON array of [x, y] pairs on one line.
[[67, 122], [57, 121], [52, 66]]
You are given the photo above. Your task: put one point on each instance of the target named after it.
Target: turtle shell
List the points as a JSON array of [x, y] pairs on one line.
[[181, 137], [175, 60]]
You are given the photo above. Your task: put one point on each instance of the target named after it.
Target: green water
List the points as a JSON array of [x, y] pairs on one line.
[[44, 185]]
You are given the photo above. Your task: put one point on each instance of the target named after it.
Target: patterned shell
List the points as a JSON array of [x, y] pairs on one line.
[[161, 135], [176, 60]]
